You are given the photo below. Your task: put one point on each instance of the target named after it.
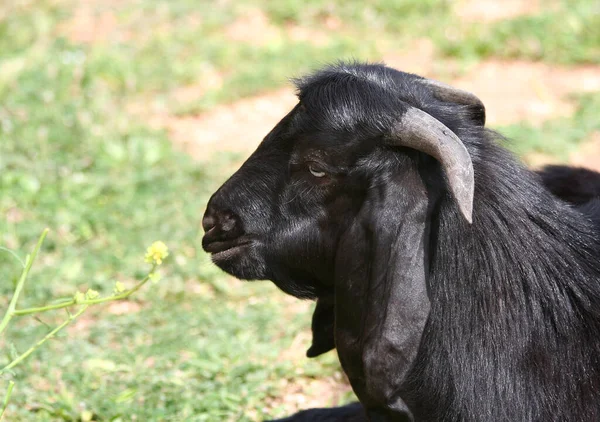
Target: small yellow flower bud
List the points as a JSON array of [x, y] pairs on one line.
[[156, 253], [86, 416], [119, 287], [91, 294], [78, 297]]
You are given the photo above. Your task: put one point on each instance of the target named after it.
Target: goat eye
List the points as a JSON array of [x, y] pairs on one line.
[[316, 173]]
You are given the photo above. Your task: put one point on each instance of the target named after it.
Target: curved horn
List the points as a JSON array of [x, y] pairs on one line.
[[419, 130], [454, 95]]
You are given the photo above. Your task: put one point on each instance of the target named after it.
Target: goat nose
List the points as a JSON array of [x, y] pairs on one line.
[[222, 221], [208, 221]]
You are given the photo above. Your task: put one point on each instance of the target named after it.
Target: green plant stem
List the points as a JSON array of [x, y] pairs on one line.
[[11, 385], [48, 336], [71, 302], [28, 263]]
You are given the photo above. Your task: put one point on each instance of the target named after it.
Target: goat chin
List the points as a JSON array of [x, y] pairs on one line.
[[455, 284]]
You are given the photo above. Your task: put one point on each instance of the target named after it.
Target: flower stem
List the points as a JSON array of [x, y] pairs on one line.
[[48, 336], [28, 263], [71, 302], [11, 385]]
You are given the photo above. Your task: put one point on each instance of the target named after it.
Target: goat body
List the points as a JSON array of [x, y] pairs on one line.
[[436, 318], [575, 185]]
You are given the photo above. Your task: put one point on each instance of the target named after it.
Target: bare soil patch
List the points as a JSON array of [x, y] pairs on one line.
[[253, 28], [94, 21], [514, 91], [122, 307], [588, 155], [240, 126], [97, 21], [237, 127], [310, 35], [306, 393], [420, 58], [303, 392], [495, 10], [211, 80], [81, 326]]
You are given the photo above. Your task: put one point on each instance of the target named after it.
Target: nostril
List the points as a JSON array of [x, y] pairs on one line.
[[228, 223], [224, 222], [208, 222]]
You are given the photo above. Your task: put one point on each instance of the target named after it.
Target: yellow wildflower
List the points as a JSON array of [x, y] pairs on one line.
[[78, 297], [91, 294], [119, 287], [156, 253]]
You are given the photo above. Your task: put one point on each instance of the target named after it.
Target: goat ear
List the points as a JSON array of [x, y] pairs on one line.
[[381, 300], [454, 95], [322, 327], [423, 132]]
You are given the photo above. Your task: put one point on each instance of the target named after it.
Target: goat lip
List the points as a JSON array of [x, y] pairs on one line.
[[229, 252], [220, 247]]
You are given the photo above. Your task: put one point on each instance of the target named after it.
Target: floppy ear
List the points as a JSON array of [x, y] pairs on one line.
[[322, 327], [381, 296], [381, 300]]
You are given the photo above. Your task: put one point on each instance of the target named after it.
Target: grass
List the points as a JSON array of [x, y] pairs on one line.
[[108, 186], [563, 32], [181, 358], [557, 137], [197, 346]]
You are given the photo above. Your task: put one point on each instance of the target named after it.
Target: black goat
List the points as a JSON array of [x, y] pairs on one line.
[[576, 185], [462, 288]]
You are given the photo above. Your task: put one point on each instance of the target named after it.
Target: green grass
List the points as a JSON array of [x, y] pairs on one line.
[[72, 160], [393, 16], [200, 346], [107, 186], [557, 137], [564, 32], [190, 44], [179, 358]]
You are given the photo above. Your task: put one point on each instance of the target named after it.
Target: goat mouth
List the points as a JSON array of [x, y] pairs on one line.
[[228, 253], [225, 249]]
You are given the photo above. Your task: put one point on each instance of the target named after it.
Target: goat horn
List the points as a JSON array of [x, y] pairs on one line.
[[419, 130], [454, 95]]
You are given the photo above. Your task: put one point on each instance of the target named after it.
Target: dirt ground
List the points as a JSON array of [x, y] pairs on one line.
[[512, 91], [494, 10]]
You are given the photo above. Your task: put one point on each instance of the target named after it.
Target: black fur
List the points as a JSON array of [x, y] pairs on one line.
[[513, 332], [323, 325], [573, 184], [576, 185], [353, 412]]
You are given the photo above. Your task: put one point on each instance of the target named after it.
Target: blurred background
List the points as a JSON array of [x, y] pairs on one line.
[[118, 118]]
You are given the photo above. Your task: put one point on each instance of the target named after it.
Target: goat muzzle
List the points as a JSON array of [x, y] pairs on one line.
[[222, 228]]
